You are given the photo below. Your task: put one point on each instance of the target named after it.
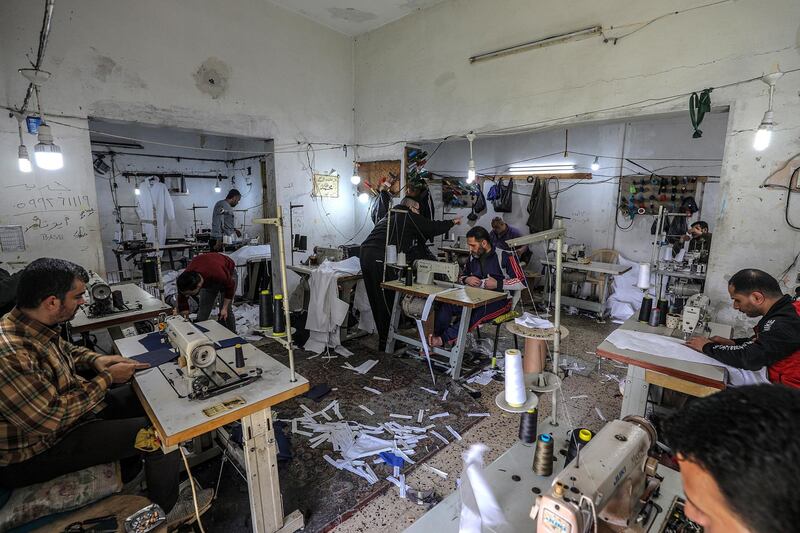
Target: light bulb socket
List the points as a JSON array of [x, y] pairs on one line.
[[24, 162], [23, 152], [45, 134], [768, 121]]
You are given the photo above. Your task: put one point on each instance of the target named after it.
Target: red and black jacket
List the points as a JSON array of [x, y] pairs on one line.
[[775, 345]]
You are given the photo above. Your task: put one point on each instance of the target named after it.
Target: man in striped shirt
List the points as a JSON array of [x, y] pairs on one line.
[[488, 268], [58, 411]]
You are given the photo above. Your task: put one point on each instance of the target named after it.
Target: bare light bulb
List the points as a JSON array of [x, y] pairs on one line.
[[764, 132], [137, 191], [48, 155], [363, 197], [471, 172], [217, 188], [596, 164], [355, 179], [24, 161]]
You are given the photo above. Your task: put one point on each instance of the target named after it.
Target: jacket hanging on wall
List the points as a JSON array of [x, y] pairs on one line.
[[480, 204], [540, 208], [504, 201]]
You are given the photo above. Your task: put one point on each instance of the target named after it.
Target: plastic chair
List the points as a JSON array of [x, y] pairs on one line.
[[597, 280]]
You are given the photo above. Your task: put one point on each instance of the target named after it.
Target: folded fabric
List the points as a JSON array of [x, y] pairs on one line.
[[156, 357], [530, 321], [227, 343], [154, 341]]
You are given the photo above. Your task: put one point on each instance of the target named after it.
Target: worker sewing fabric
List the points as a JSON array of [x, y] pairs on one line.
[[502, 232], [222, 220], [776, 342], [488, 268], [58, 410], [408, 231], [699, 240], [213, 277], [740, 459]]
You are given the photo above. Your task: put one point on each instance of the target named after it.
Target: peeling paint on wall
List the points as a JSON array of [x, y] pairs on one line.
[[212, 77], [351, 14]]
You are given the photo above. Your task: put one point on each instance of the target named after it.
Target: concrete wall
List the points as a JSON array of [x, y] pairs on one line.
[[414, 81], [276, 76]]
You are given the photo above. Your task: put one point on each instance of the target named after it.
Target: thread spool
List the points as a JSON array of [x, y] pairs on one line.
[[643, 281], [580, 437], [265, 310], [401, 259], [543, 455], [527, 426], [655, 317], [647, 308], [533, 361], [278, 320], [516, 396], [409, 277], [391, 254], [663, 306], [239, 356], [149, 270]]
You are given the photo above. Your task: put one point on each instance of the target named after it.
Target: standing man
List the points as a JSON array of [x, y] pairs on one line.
[[222, 220], [740, 459], [409, 232], [488, 268], [776, 342], [213, 276], [53, 420], [502, 232]]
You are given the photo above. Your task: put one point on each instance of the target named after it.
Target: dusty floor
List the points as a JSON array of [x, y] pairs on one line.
[[389, 513]]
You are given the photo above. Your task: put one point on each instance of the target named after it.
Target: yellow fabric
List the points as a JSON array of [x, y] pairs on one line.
[[511, 315], [147, 440]]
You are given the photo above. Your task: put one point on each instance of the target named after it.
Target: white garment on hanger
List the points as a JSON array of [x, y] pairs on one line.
[[326, 312], [155, 194]]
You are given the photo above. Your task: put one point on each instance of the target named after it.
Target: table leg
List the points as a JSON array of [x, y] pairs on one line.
[[604, 296], [260, 458], [457, 352], [394, 323], [171, 259], [634, 397]]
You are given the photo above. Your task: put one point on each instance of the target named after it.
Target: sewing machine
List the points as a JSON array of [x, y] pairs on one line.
[[695, 317], [195, 349], [100, 295], [321, 254], [612, 480], [426, 269], [570, 252]]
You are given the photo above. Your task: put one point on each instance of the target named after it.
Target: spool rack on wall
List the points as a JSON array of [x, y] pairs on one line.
[[674, 193]]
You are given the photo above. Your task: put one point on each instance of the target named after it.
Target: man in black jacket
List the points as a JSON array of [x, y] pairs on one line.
[[776, 343], [408, 231]]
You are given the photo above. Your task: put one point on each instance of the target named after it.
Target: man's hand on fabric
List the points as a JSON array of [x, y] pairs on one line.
[[102, 362], [697, 343], [123, 372], [490, 283], [472, 281]]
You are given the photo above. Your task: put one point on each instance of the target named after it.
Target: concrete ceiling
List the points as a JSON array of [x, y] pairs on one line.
[[354, 17]]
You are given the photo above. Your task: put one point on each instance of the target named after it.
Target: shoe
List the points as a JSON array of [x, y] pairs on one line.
[[183, 512]]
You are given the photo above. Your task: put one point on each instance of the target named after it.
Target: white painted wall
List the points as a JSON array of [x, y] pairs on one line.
[[414, 81], [288, 79]]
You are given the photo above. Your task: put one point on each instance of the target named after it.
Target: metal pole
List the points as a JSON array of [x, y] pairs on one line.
[[282, 263], [386, 247], [557, 320], [157, 247]]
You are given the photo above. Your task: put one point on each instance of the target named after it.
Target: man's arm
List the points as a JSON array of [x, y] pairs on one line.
[[781, 341], [429, 229], [183, 303], [517, 281], [84, 358], [30, 402]]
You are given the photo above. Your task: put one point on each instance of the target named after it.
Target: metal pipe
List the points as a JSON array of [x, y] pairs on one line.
[[538, 43], [557, 319], [285, 290], [44, 36]]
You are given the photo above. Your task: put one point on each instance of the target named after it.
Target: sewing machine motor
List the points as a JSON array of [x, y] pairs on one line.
[[611, 481], [426, 269], [695, 315], [194, 347], [100, 295]]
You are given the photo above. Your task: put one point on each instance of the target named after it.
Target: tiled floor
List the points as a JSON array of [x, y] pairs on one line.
[[389, 512]]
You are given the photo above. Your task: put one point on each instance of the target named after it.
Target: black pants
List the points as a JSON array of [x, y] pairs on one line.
[[380, 300], [110, 436]]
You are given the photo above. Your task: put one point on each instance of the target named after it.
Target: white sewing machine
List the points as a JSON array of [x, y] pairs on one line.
[[331, 254], [194, 347], [100, 295], [695, 316], [611, 480], [426, 269]]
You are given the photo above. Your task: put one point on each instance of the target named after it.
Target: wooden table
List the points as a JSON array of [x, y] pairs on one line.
[[133, 296], [466, 297], [189, 247], [346, 283], [697, 379], [179, 419], [607, 270]]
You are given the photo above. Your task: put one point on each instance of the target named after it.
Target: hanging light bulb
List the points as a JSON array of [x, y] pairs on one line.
[[471, 166], [47, 154], [136, 189], [363, 197], [764, 132], [596, 163], [355, 179], [217, 188], [24, 161]]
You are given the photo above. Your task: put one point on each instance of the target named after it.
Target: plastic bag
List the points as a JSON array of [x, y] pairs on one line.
[[504, 200]]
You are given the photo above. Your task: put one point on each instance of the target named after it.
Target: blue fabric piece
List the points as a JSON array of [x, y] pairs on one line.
[[152, 341], [392, 459], [157, 357], [227, 343], [201, 328]]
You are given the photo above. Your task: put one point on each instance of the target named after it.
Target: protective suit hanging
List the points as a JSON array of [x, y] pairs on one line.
[[155, 195]]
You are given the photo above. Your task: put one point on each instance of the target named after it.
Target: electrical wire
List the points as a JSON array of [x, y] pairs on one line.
[[615, 40], [194, 492], [789, 199]]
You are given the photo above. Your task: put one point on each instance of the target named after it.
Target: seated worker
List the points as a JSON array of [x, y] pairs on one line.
[[488, 268], [213, 276], [409, 232], [740, 459], [502, 232], [58, 410], [776, 343], [699, 240]]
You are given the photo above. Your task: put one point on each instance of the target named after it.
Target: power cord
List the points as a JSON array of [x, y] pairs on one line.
[[194, 492]]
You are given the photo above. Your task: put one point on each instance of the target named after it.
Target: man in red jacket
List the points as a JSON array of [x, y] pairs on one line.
[[213, 276], [776, 342]]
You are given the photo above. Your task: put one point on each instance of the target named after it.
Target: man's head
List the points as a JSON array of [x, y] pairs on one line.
[[499, 225], [698, 228], [233, 197], [51, 290], [740, 459], [411, 204], [478, 241], [753, 291], [189, 283]]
